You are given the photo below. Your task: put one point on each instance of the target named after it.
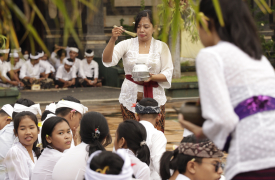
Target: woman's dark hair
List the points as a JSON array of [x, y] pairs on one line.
[[44, 114], [48, 128], [239, 29], [141, 14], [59, 53], [110, 159], [17, 119], [179, 161], [63, 111], [134, 133], [91, 121], [25, 102]]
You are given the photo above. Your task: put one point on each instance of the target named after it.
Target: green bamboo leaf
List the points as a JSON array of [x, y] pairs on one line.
[[260, 6], [3, 39], [218, 11], [27, 32], [266, 6], [39, 14]]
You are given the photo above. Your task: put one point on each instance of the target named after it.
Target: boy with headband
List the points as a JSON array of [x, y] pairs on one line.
[[66, 74], [72, 110], [147, 113]]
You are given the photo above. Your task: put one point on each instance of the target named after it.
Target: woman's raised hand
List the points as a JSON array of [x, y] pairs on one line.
[[117, 31]]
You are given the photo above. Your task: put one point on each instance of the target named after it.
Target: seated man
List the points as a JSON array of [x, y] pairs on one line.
[[30, 71], [147, 113], [16, 63], [90, 69], [44, 60], [8, 78], [66, 74]]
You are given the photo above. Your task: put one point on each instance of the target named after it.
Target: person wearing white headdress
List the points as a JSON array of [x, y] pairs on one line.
[[90, 68], [6, 135], [30, 71], [72, 110], [95, 135], [109, 166], [66, 74], [15, 61], [45, 62], [7, 73]]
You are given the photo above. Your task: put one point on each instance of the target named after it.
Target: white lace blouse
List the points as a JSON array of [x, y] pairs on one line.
[[159, 61], [228, 76], [18, 163]]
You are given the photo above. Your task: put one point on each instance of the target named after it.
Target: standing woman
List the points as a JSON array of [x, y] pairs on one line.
[[142, 49], [237, 91]]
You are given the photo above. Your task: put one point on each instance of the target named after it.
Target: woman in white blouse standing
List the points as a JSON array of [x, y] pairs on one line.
[[142, 49], [237, 91], [56, 138]]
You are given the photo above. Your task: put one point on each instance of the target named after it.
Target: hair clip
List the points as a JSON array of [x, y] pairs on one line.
[[171, 158], [134, 105], [73, 110], [106, 168], [39, 124], [39, 145], [193, 160], [96, 134], [142, 143], [47, 136], [175, 147]]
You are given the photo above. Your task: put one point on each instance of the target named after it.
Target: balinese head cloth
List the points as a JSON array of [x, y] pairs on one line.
[[73, 105], [126, 173], [8, 109], [204, 149]]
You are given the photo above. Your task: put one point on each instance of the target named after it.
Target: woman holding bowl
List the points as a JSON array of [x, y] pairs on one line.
[[142, 49]]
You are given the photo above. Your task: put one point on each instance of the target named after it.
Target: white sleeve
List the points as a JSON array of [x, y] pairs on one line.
[[96, 70], [5, 69], [157, 150], [73, 74], [144, 173], [166, 66], [53, 57], [59, 73], [215, 99], [46, 66], [23, 71], [119, 50], [81, 70], [68, 51], [16, 165]]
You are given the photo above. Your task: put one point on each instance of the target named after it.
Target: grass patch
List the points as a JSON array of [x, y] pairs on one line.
[[186, 79]]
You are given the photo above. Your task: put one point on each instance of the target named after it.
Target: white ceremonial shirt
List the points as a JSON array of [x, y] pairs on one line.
[[65, 75], [156, 141], [140, 169], [56, 60], [227, 76], [72, 165], [28, 70], [159, 61], [6, 141], [46, 63], [5, 68], [18, 65], [43, 168], [90, 70], [182, 177], [79, 69], [18, 163]]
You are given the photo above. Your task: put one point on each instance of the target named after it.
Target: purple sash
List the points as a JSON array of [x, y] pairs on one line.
[[249, 107]]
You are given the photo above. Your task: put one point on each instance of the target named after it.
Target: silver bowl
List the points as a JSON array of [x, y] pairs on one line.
[[141, 79], [140, 72]]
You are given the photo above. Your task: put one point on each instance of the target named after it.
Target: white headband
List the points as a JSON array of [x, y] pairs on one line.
[[35, 57], [73, 105], [35, 109], [74, 49], [51, 107], [126, 173], [8, 109], [89, 55], [14, 55], [41, 54], [66, 61], [4, 51]]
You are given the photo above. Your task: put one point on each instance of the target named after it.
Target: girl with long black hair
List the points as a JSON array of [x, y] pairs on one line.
[[131, 135], [22, 156], [95, 135], [237, 91]]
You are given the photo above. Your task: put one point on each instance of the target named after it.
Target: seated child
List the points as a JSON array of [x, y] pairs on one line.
[[109, 166], [148, 113], [66, 75], [90, 68], [193, 159], [56, 138]]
